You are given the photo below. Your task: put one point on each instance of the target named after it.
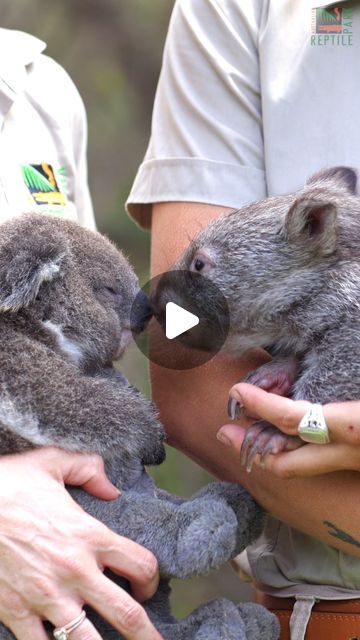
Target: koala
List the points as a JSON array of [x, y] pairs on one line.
[[66, 297], [289, 269]]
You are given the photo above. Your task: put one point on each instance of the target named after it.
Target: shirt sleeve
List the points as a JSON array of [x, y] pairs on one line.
[[206, 140], [65, 115], [82, 196]]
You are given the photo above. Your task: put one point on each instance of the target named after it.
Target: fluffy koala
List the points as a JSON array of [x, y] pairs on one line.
[[289, 269], [65, 300]]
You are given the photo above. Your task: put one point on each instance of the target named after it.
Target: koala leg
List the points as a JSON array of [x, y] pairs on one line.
[[217, 620], [249, 515], [263, 439], [259, 622], [187, 539], [221, 620]]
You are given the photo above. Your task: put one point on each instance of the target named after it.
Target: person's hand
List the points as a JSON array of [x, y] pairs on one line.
[[53, 554], [342, 418]]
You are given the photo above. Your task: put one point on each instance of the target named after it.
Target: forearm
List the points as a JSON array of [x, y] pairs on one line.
[[192, 405]]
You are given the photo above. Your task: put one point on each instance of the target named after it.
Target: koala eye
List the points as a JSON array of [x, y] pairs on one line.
[[111, 290], [201, 263]]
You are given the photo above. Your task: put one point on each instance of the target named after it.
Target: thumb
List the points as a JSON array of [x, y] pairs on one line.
[[86, 471], [231, 435]]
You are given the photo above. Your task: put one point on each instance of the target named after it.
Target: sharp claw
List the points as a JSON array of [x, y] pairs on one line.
[[234, 409], [246, 445], [250, 458], [267, 451]]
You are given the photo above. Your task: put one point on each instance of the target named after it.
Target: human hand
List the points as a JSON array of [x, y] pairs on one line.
[[53, 553], [342, 418]]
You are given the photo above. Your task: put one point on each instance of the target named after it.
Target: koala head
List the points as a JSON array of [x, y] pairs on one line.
[[72, 283], [273, 254]]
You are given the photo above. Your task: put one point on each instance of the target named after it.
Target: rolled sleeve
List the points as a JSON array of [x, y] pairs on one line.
[[206, 142]]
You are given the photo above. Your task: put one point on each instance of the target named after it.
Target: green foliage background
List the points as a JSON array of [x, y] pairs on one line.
[[112, 49]]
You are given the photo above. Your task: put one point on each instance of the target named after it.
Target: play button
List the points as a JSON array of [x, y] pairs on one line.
[[190, 320], [178, 320]]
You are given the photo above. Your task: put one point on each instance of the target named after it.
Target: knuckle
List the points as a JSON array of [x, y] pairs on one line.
[[96, 462], [70, 563], [130, 617], [43, 588], [286, 421], [13, 603], [149, 566], [93, 532]]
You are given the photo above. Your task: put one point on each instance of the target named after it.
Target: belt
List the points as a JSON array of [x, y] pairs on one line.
[[329, 620]]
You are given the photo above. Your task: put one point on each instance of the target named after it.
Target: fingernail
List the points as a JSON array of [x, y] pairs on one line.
[[224, 439]]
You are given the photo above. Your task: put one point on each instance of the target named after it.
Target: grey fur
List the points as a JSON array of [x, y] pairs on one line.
[[289, 269], [65, 299]]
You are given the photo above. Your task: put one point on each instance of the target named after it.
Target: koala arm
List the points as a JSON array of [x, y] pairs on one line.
[[249, 515], [46, 400], [190, 538]]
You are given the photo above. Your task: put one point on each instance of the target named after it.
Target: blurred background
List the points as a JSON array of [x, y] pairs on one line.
[[112, 50]]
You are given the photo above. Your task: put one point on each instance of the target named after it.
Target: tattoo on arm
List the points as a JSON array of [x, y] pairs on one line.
[[340, 534]]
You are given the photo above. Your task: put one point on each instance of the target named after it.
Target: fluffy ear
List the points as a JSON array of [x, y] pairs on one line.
[[311, 224], [26, 262], [339, 177]]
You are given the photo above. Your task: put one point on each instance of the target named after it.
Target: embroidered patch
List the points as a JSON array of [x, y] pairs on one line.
[[41, 181], [332, 26]]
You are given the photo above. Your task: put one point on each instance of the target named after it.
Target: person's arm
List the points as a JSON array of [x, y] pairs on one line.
[[193, 404], [342, 419], [53, 554]]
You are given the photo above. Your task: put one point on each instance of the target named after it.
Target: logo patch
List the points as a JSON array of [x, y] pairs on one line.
[[41, 181], [332, 26]]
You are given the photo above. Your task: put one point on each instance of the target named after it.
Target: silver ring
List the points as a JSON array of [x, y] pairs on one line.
[[62, 633], [312, 427]]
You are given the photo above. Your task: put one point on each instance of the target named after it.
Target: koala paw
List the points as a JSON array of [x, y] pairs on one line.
[[208, 538], [229, 626], [249, 515], [214, 620], [259, 622], [264, 439], [277, 376]]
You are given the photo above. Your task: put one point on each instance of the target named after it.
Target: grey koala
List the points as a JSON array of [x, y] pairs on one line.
[[289, 269], [65, 300]]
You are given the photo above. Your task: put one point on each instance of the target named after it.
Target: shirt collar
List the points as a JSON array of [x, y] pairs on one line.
[[17, 51]]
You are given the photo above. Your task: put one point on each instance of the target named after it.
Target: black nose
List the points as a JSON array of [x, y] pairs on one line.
[[141, 312]]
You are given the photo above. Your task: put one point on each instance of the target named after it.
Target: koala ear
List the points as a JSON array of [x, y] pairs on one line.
[[25, 264], [311, 224], [339, 177]]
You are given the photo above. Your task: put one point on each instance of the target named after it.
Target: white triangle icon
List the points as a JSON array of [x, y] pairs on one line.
[[178, 320]]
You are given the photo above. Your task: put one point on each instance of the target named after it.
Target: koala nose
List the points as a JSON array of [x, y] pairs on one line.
[[141, 312]]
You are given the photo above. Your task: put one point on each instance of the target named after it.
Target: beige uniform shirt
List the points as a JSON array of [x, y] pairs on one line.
[[254, 96], [42, 134]]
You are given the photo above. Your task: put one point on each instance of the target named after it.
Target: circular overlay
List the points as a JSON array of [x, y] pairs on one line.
[[196, 301]]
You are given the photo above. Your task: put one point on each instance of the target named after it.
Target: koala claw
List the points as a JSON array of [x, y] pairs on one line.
[[234, 409], [264, 439]]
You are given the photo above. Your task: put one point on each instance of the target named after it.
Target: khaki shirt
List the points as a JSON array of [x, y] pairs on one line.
[[42, 134], [254, 96]]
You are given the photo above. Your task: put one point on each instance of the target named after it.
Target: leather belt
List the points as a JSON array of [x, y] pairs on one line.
[[330, 619]]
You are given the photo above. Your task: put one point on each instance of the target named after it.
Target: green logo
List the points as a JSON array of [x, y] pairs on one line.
[[43, 185]]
